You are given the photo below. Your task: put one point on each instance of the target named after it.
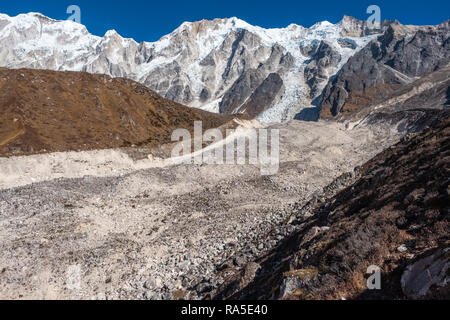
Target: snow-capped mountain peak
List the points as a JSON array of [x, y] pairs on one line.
[[220, 65]]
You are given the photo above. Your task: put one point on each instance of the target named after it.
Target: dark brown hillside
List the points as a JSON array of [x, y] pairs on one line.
[[46, 111]]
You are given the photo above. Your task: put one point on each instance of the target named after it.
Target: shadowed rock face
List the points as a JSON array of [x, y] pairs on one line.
[[246, 94], [240, 91], [263, 96], [448, 97], [399, 57], [317, 71], [394, 216]]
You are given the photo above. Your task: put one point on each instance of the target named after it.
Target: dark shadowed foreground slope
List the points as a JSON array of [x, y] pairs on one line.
[[47, 111], [395, 216]]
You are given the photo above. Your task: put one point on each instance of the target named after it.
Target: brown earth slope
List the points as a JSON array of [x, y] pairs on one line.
[[395, 216], [46, 111]]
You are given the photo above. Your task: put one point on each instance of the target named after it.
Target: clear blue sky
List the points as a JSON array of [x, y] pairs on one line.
[[149, 20]]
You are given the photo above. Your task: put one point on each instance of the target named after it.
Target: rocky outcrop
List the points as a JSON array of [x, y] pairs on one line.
[[240, 98], [430, 92], [352, 27], [263, 96], [430, 272], [397, 58]]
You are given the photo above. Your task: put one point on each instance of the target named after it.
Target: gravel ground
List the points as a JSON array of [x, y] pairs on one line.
[[159, 231]]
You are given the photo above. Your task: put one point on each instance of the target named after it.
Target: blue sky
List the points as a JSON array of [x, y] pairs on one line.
[[149, 20]]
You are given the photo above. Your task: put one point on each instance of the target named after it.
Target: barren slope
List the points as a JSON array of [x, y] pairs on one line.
[[46, 111], [388, 65]]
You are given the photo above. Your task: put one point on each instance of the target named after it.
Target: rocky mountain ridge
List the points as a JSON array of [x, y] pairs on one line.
[[392, 63]]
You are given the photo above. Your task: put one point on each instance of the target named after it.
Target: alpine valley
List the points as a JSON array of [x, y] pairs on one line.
[[92, 205]]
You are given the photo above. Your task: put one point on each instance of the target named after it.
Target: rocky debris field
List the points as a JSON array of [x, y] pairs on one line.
[[395, 217], [169, 232], [393, 61]]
